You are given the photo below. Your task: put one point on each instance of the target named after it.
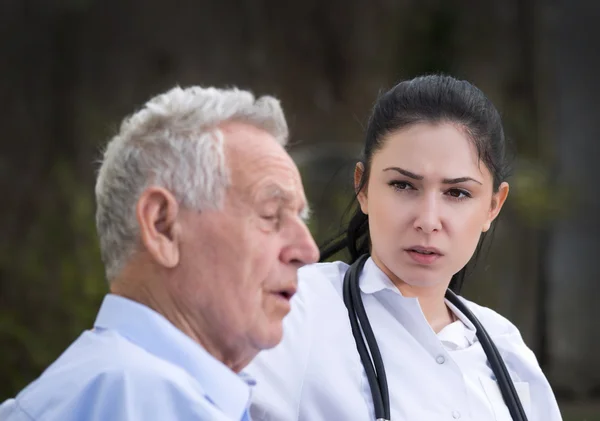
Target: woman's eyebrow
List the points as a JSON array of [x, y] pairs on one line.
[[404, 172], [414, 176]]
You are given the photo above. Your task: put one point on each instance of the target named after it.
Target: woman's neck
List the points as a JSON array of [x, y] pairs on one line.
[[431, 299], [432, 302]]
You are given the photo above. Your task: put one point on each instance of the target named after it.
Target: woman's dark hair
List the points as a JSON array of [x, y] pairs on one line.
[[427, 99]]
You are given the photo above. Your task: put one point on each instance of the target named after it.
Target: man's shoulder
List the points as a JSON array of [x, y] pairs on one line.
[[94, 368], [106, 352]]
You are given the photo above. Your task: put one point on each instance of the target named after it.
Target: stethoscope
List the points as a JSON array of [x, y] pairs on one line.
[[373, 364]]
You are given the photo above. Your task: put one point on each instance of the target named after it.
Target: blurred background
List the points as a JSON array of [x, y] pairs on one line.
[[70, 70]]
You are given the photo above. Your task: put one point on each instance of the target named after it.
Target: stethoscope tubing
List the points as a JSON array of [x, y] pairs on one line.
[[373, 363]]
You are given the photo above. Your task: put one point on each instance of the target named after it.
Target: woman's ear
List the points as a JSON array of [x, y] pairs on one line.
[[361, 193], [498, 200]]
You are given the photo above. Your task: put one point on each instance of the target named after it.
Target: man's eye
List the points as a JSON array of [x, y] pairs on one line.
[[271, 215]]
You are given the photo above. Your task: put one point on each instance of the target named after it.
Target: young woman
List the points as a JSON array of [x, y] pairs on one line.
[[429, 186]]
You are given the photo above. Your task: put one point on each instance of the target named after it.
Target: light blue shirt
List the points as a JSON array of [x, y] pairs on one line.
[[134, 365]]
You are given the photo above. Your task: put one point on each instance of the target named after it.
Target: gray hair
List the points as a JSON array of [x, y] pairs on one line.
[[173, 142]]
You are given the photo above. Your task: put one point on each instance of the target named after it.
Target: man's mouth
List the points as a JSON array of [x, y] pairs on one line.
[[286, 293]]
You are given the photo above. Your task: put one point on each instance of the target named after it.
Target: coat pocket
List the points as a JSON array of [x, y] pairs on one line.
[[499, 408]]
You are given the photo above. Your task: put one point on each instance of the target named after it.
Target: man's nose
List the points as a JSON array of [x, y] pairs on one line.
[[302, 249]]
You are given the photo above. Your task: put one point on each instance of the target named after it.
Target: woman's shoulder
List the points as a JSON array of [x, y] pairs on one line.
[[495, 323], [319, 285], [505, 335], [322, 276]]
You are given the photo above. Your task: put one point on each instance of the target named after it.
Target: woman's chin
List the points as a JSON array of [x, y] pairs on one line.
[[425, 278]]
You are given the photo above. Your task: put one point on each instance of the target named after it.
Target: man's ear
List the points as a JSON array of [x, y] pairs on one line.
[[160, 230], [498, 200], [361, 193]]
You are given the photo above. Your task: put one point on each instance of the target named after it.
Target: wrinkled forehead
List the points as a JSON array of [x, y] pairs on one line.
[[261, 167]]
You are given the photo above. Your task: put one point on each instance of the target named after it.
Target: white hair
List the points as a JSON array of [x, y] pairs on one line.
[[174, 142]]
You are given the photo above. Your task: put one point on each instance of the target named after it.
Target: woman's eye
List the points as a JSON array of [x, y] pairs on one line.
[[458, 194], [400, 185]]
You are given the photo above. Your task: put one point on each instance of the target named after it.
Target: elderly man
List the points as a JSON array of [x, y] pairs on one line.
[[200, 215]]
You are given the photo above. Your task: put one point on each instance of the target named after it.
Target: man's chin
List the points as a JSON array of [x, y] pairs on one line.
[[272, 336]]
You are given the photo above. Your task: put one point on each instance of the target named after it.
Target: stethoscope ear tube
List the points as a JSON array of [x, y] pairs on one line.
[[373, 363]]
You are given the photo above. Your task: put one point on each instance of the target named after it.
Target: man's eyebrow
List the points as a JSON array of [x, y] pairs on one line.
[[274, 191], [414, 176], [305, 213]]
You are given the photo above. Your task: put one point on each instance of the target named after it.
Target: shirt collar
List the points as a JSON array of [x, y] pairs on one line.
[[154, 333], [373, 279], [469, 331]]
